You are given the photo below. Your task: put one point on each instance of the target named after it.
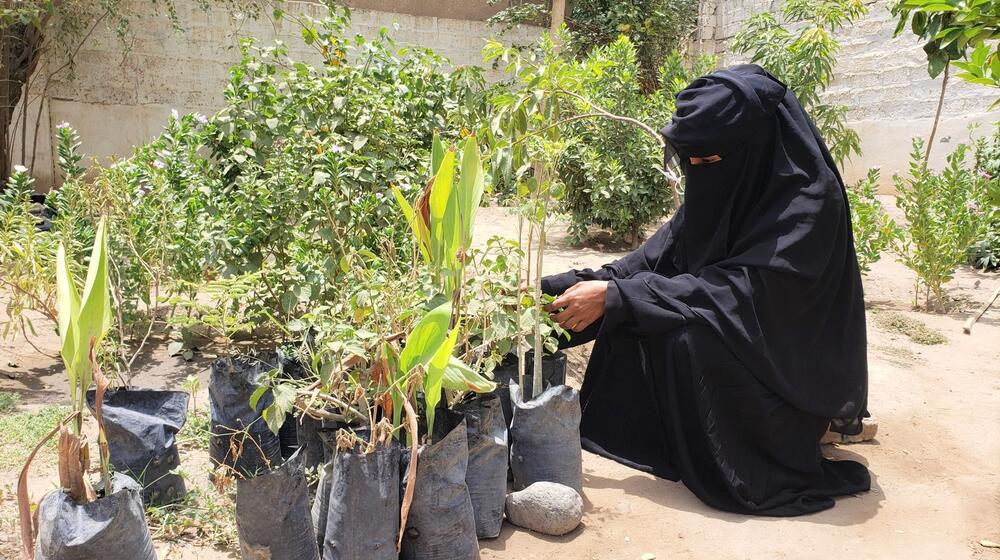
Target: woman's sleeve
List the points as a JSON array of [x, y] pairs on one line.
[[653, 254], [647, 303]]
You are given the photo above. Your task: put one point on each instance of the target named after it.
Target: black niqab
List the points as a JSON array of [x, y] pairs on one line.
[[748, 303]]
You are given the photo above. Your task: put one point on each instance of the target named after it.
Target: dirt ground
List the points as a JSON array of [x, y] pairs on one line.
[[935, 462]]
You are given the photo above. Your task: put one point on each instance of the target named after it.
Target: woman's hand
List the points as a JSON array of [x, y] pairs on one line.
[[580, 305]]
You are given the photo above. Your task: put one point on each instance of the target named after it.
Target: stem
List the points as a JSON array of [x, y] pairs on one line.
[[536, 388], [937, 115]]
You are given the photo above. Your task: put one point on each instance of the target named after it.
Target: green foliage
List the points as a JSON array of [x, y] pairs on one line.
[[874, 231], [612, 169], [985, 252], [657, 28], [306, 156], [954, 31], [802, 51], [8, 401], [23, 430], [84, 320], [943, 216]]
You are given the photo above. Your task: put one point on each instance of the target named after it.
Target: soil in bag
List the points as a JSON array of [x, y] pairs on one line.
[[486, 475], [553, 374], [273, 517], [142, 426], [363, 505], [240, 438], [545, 438], [441, 524], [302, 432], [110, 528]]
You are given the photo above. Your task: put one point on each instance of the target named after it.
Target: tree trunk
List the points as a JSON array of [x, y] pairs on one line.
[[20, 50], [937, 115]]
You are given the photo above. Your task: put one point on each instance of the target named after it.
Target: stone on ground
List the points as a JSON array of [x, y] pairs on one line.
[[545, 507], [869, 428]]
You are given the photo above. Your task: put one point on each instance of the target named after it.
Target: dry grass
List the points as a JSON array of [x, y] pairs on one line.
[[915, 329]]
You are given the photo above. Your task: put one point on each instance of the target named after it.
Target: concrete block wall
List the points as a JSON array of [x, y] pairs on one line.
[[882, 79], [117, 101]]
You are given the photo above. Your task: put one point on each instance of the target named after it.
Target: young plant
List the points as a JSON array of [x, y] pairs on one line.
[[874, 231], [442, 221], [943, 216]]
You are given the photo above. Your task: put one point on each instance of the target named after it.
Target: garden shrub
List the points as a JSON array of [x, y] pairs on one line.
[[874, 231], [985, 252], [307, 155], [611, 169], [802, 52], [943, 215]]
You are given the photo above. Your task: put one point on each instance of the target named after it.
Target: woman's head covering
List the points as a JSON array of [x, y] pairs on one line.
[[765, 234]]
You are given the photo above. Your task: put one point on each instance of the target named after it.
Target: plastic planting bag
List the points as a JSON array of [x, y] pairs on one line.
[[109, 528], [545, 438], [240, 439], [272, 515], [486, 475], [441, 524], [553, 374], [362, 505], [142, 426]]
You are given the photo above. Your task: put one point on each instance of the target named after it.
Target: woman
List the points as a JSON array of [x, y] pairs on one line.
[[730, 340]]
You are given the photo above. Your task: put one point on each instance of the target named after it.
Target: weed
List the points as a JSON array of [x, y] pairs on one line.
[[8, 401], [203, 517], [916, 330], [196, 431], [23, 430]]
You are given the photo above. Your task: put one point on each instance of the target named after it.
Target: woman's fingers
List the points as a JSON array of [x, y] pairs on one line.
[[562, 301], [565, 317]]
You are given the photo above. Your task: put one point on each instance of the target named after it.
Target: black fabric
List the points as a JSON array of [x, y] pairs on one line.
[[756, 269]]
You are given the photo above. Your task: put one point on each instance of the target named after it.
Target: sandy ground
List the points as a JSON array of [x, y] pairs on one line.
[[935, 463]]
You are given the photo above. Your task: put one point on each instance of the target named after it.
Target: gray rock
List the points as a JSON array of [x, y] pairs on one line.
[[546, 507]]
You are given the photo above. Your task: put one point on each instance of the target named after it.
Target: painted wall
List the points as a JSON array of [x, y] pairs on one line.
[[882, 79], [117, 101]]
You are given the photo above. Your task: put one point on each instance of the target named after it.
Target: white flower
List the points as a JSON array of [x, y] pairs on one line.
[[202, 119], [159, 164], [63, 124], [174, 114], [20, 169]]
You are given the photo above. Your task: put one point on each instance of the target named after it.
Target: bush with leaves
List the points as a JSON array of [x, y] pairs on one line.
[[307, 155], [657, 28], [874, 231], [612, 170], [943, 215], [801, 50], [985, 252]]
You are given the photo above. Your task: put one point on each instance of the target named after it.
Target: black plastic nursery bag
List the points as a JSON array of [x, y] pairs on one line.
[[272, 515], [553, 373], [363, 505], [141, 426], [240, 438], [109, 528], [441, 524], [545, 438], [486, 475]]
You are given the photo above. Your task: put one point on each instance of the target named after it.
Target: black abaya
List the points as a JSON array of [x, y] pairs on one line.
[[736, 334]]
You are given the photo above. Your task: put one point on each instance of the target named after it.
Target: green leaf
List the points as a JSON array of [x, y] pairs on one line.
[[459, 376], [470, 189], [425, 338], [68, 308], [95, 306], [437, 153], [435, 375], [284, 402]]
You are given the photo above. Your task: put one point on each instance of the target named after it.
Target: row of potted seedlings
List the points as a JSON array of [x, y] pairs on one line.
[[414, 459]]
